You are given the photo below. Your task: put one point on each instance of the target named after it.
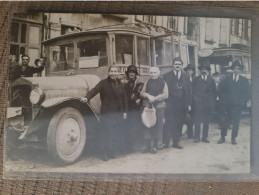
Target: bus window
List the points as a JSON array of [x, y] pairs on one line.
[[168, 54], [159, 51], [124, 49], [163, 52], [143, 54], [62, 58], [92, 53]]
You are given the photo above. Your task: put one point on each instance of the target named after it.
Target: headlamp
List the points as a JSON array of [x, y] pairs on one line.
[[36, 96]]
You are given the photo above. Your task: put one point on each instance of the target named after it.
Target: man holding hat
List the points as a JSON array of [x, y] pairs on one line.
[[203, 100], [189, 69], [233, 96]]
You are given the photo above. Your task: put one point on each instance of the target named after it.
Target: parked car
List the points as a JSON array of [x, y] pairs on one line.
[[47, 110]]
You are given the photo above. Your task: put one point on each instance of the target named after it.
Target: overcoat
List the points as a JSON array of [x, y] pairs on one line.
[[113, 96], [233, 93], [204, 93]]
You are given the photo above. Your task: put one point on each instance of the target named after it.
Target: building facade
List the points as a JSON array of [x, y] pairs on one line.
[[224, 40]]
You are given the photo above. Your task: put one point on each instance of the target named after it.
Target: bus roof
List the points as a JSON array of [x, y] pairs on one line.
[[100, 30]]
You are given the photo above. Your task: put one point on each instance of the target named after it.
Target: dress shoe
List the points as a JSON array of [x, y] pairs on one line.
[[177, 146], [221, 140], [233, 141], [205, 141], [153, 150], [161, 146], [196, 141]]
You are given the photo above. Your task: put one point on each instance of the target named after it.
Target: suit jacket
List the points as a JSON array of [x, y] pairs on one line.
[[232, 92], [204, 95], [113, 96], [175, 102]]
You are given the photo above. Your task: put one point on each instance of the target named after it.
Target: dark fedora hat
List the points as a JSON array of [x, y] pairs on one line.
[[189, 67], [132, 68], [237, 64], [204, 66]]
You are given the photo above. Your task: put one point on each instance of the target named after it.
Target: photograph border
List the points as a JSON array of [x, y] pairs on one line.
[[206, 9]]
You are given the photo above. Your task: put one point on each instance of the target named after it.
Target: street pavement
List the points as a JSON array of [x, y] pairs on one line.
[[195, 158]]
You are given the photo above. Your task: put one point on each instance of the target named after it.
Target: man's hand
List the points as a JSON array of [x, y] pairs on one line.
[[189, 108], [124, 116], [83, 99]]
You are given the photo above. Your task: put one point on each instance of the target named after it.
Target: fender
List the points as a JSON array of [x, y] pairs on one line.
[[53, 102], [50, 106]]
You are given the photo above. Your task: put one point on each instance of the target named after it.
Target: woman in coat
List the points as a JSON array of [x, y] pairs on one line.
[[113, 110]]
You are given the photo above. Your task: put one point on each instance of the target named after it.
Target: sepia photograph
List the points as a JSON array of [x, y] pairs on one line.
[[127, 94]]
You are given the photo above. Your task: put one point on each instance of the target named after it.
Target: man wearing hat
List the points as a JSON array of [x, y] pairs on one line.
[[233, 96], [178, 103], [204, 94], [189, 69]]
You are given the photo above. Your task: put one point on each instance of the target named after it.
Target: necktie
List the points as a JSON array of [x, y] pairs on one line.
[[178, 75]]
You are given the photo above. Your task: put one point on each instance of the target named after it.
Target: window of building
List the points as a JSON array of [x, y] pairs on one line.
[[62, 57], [209, 30], [185, 27], [124, 49], [237, 27], [66, 29], [92, 53], [190, 26], [223, 31], [149, 19], [247, 29], [172, 22], [25, 38], [143, 51]]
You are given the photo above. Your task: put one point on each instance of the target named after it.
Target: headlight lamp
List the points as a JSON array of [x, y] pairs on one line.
[[36, 96]]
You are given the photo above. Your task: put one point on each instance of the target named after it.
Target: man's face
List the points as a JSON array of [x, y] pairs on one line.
[[132, 75], [177, 66], [25, 61], [204, 71], [113, 73], [236, 70], [189, 72], [154, 72]]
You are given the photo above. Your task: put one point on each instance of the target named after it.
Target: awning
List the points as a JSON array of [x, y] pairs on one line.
[[222, 55]]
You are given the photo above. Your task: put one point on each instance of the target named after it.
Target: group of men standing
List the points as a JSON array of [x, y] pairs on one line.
[[184, 96]]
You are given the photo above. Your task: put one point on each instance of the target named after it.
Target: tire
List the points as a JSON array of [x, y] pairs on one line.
[[66, 135]]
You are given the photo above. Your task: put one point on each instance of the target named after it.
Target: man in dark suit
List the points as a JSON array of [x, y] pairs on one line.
[[113, 109], [178, 103], [204, 94], [189, 69], [233, 96]]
